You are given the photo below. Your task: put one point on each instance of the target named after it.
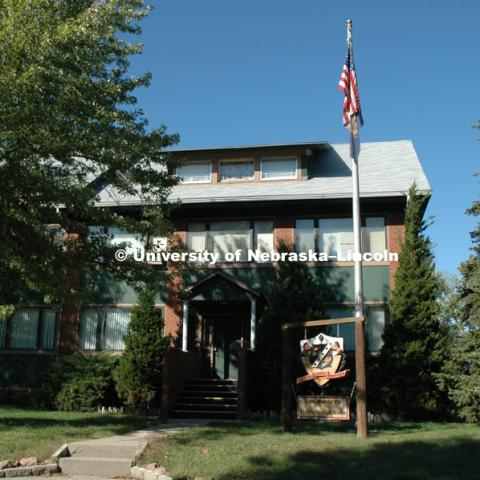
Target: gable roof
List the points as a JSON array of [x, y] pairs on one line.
[[387, 169]]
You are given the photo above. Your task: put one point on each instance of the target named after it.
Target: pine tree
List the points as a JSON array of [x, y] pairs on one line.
[[460, 376], [413, 349], [138, 376], [295, 298]]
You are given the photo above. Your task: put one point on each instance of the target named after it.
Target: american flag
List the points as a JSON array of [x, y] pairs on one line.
[[352, 113]]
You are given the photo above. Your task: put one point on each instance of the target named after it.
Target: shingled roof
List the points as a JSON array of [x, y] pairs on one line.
[[387, 169]]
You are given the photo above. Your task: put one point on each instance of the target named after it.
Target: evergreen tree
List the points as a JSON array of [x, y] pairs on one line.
[[295, 298], [69, 125], [138, 375], [413, 348], [460, 376]]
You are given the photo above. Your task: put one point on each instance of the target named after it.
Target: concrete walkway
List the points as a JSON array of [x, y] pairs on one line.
[[113, 456]]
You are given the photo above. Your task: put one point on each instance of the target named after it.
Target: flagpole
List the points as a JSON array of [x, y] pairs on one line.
[[361, 384]]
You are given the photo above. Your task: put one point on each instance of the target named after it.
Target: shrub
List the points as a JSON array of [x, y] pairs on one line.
[[79, 382], [138, 375]]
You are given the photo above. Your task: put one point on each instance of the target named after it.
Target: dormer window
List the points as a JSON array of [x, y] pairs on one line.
[[279, 168], [198, 172], [236, 170]]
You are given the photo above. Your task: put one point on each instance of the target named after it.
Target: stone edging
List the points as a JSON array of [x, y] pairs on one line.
[[141, 473], [29, 471]]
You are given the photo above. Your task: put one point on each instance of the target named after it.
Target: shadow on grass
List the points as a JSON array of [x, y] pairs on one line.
[[41, 419], [214, 430], [454, 459]]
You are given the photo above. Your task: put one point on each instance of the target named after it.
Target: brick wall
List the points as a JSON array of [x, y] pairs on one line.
[[284, 230], [245, 362], [396, 233], [178, 368]]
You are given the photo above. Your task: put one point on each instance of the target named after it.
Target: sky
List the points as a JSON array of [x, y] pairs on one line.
[[241, 72]]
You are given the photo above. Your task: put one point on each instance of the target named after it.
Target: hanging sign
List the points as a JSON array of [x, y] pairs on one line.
[[323, 359]]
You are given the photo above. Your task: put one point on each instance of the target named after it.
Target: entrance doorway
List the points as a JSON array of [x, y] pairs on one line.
[[227, 342]]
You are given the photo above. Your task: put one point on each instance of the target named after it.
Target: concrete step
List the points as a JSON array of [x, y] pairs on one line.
[[95, 466], [101, 451]]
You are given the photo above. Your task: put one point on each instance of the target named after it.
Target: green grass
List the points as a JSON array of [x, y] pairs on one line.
[[259, 451], [28, 432]]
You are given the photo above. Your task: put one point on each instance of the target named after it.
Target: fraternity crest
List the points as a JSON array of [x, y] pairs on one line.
[[323, 359]]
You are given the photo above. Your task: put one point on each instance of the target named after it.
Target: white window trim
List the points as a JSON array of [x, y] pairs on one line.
[[235, 160], [209, 162], [284, 157]]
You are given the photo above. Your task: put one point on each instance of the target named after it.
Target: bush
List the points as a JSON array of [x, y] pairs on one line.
[[138, 376], [79, 382]]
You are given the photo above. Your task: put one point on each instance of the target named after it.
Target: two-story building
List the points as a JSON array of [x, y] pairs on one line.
[[239, 198]]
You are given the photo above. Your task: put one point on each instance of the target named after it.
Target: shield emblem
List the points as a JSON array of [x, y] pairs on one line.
[[323, 358]]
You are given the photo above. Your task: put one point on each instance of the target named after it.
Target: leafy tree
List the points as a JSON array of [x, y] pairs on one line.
[[413, 343], [138, 375], [69, 125], [460, 376], [294, 298]]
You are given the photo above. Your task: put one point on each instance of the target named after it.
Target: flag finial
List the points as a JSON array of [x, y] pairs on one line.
[[349, 31]]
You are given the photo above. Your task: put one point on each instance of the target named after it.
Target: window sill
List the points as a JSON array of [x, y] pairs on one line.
[[26, 351]]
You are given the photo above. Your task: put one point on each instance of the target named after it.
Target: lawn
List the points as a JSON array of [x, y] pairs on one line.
[[259, 451], [29, 432]]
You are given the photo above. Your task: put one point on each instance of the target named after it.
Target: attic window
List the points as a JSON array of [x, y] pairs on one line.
[[279, 168], [198, 172], [236, 170]]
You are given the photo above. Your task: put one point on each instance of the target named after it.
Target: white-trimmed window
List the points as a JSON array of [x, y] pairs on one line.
[[335, 236], [117, 236], [197, 172], [305, 235], [103, 328], [231, 236], [263, 233], [197, 237], [28, 328], [236, 170], [132, 241], [375, 327], [344, 330], [228, 236], [279, 168], [374, 235]]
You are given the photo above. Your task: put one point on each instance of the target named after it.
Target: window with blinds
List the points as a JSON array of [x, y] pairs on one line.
[[374, 235], [229, 236], [236, 170], [279, 168], [198, 172], [375, 326], [28, 328], [335, 236], [103, 328]]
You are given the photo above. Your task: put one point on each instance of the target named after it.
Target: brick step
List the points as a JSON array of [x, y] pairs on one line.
[[177, 413], [97, 466], [206, 407]]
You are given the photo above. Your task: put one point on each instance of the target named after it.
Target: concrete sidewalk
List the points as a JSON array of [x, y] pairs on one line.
[[113, 456]]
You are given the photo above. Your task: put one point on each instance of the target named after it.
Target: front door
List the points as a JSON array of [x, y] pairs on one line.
[[227, 343]]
